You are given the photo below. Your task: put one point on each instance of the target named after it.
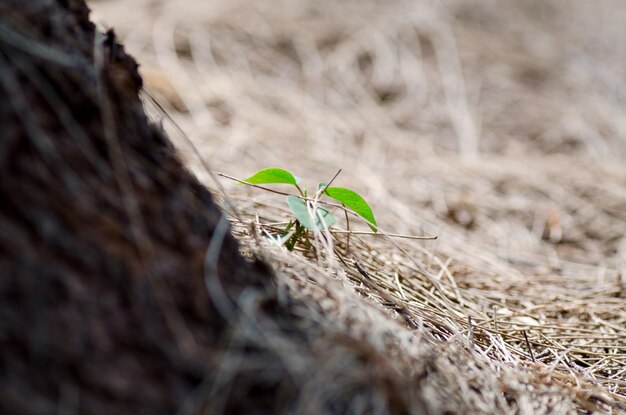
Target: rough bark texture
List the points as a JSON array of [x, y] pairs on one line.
[[103, 233]]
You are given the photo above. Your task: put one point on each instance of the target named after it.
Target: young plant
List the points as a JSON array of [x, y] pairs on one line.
[[308, 216]]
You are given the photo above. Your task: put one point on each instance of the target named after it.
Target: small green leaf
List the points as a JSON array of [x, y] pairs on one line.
[[354, 201], [299, 208], [272, 176]]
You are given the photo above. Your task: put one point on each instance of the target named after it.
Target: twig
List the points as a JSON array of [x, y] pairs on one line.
[[495, 320], [320, 191], [471, 333], [274, 226], [392, 235], [348, 232], [203, 163], [397, 279], [532, 355]]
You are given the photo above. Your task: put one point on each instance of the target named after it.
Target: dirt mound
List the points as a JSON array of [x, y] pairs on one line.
[[103, 303]]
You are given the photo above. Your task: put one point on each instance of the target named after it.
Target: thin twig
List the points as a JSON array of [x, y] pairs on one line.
[[322, 190], [229, 204], [348, 232], [495, 321], [471, 333], [273, 225], [530, 349], [392, 235]]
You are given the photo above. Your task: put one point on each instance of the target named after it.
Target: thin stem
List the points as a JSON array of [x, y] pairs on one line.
[[392, 235], [322, 190], [303, 194], [530, 349], [348, 233]]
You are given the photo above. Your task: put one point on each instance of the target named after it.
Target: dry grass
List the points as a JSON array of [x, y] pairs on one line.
[[497, 126]]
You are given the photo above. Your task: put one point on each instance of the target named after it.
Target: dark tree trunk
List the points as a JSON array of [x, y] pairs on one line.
[[103, 233]]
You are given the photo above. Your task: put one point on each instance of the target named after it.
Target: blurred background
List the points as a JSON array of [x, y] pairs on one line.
[[498, 125]]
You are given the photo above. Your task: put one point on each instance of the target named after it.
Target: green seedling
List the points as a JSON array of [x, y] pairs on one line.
[[308, 215]]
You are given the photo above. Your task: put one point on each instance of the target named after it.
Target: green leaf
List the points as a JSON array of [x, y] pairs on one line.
[[299, 208], [272, 176], [354, 201]]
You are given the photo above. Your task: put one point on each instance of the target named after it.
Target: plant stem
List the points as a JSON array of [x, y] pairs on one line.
[[348, 233]]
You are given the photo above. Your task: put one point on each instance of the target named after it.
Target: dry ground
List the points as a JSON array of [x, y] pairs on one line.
[[498, 126]]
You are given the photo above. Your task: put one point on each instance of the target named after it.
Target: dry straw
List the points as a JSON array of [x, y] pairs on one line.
[[497, 126]]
